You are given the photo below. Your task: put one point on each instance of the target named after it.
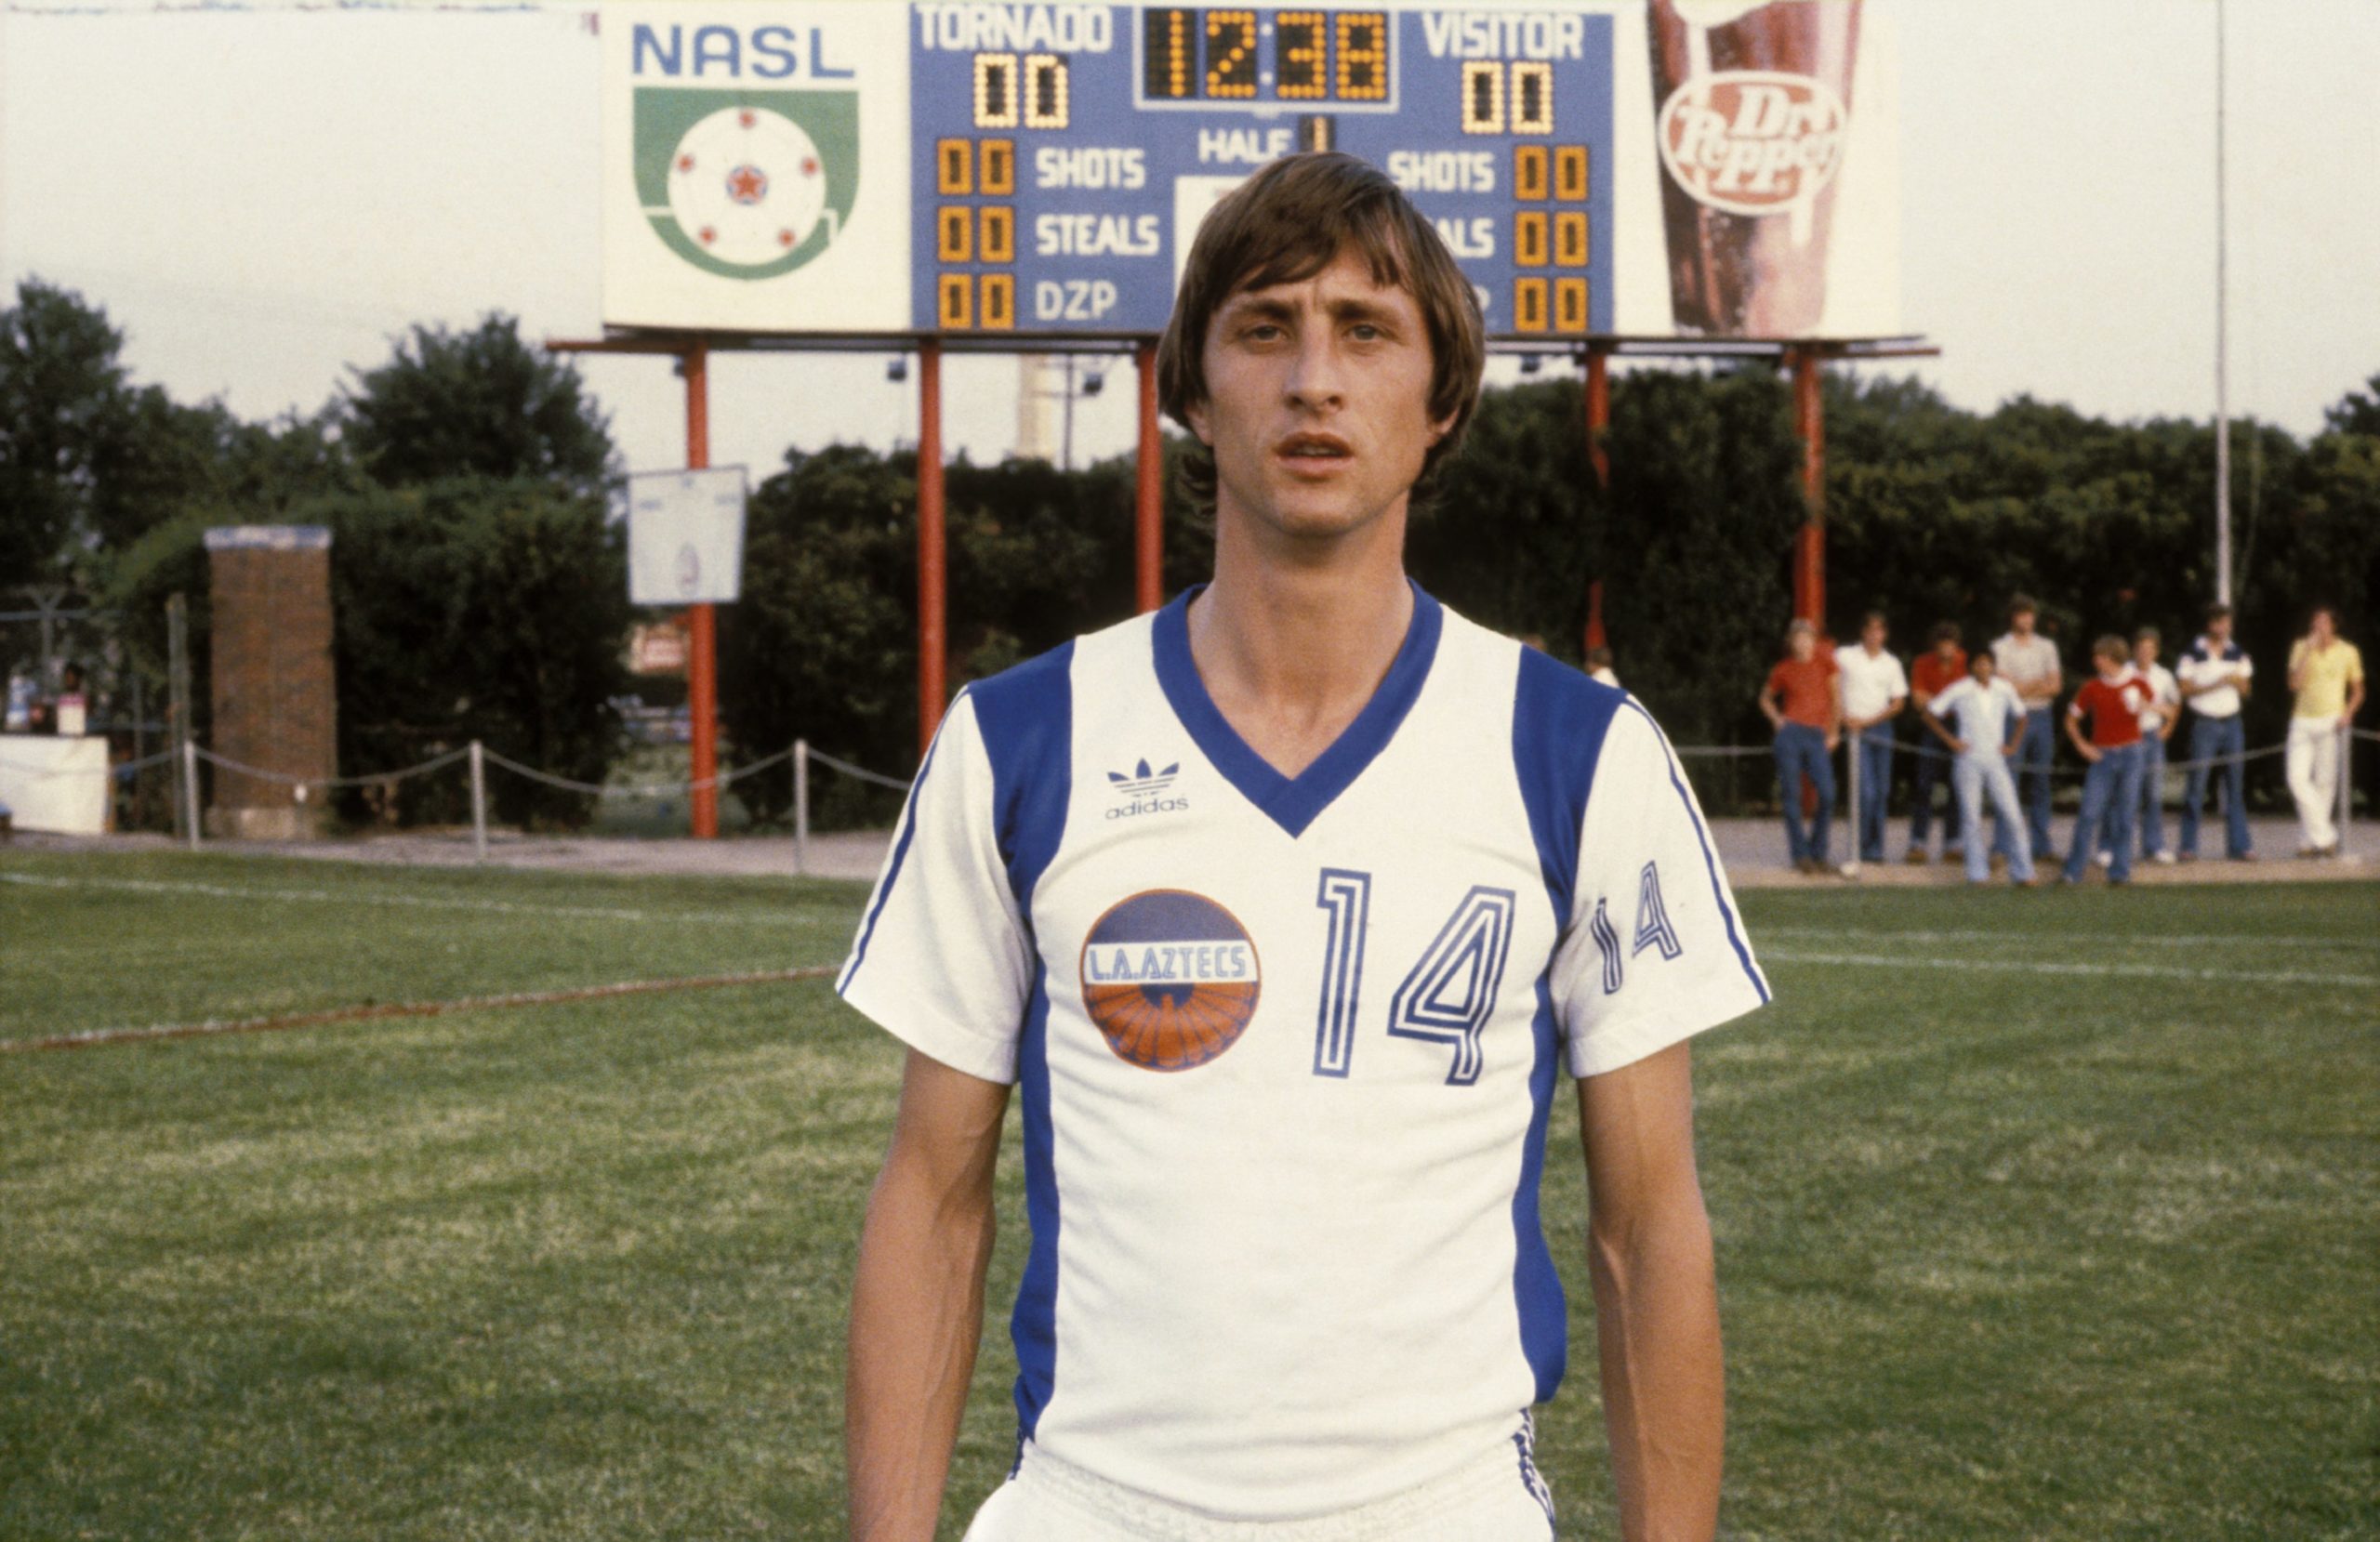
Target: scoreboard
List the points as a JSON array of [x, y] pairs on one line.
[[1049, 164]]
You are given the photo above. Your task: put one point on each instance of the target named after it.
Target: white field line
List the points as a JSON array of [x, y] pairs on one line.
[[2110, 939], [414, 901], [2036, 966], [89, 1037]]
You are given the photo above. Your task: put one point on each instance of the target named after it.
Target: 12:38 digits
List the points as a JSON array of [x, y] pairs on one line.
[[1191, 54]]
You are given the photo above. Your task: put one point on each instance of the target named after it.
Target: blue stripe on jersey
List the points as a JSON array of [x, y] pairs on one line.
[[1026, 715], [900, 854], [1559, 721], [1718, 890], [1294, 802], [1033, 1322], [1537, 1285]]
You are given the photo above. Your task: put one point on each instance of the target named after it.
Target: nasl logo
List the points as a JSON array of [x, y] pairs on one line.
[[747, 184], [1171, 978]]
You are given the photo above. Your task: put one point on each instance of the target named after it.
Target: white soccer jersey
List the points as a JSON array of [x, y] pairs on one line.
[[1287, 1047]]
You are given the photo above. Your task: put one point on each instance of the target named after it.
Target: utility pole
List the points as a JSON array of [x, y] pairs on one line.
[[2222, 343]]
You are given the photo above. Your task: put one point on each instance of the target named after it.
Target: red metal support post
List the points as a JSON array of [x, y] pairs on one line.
[[1148, 493], [1599, 459], [702, 661], [933, 635], [1809, 545]]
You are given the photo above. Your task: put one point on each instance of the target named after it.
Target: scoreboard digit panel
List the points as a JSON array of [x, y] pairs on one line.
[[1114, 128], [1201, 57]]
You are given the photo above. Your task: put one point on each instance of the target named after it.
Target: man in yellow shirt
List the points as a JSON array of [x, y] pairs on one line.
[[2327, 674]]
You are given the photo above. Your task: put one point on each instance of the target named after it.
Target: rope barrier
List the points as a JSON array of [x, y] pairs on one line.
[[862, 772], [639, 789], [373, 780], [651, 789]]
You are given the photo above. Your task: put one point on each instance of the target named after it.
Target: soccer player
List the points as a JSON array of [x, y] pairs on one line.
[[1991, 720], [1803, 701], [1874, 690], [2327, 674], [1935, 671], [2216, 678], [2028, 662], [1283, 911], [2112, 701]]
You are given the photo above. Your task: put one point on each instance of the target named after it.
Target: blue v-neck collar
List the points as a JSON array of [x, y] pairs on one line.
[[1294, 802]]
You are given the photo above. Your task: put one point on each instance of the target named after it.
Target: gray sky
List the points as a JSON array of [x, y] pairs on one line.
[[260, 199]]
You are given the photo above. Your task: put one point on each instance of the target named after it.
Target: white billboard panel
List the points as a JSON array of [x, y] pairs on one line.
[[686, 536], [1720, 169]]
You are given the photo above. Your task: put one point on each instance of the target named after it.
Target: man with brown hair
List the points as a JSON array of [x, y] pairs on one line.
[[1284, 910]]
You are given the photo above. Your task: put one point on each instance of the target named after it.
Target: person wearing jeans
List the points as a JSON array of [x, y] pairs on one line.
[[2216, 678], [1932, 672], [1990, 724], [2111, 704], [1804, 701], [1874, 690], [2327, 674], [2158, 721], [2028, 662]]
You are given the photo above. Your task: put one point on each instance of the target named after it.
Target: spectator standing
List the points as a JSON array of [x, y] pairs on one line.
[[2027, 660], [1991, 721], [2158, 721], [1599, 667], [2326, 671], [1804, 701], [1874, 690], [2111, 701], [1932, 672], [2216, 676]]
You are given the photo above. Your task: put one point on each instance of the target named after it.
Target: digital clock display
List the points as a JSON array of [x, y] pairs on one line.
[[1211, 55]]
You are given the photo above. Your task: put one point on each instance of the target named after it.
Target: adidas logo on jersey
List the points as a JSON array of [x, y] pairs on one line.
[[1143, 791]]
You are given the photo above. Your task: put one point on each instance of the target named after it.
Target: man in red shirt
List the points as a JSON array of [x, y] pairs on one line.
[[2111, 701], [1804, 700], [1932, 672]]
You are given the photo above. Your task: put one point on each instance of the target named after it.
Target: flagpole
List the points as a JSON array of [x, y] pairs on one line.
[[2222, 343]]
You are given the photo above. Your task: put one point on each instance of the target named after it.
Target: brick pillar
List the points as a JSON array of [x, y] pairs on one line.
[[274, 705]]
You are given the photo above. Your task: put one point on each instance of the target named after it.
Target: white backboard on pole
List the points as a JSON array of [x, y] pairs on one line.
[[686, 536]]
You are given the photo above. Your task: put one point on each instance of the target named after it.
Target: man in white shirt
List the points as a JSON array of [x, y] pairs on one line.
[[2027, 662], [2159, 716], [1874, 690], [1284, 911], [2216, 678], [1991, 724]]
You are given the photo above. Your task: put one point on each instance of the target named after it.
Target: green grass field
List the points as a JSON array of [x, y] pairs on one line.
[[2047, 1215]]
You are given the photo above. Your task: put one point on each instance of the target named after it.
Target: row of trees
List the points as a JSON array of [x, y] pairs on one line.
[[480, 586], [1934, 514]]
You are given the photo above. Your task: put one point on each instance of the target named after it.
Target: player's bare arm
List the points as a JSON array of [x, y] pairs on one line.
[[1657, 1303], [918, 1301]]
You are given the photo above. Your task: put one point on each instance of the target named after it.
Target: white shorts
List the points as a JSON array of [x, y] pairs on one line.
[[1496, 1496]]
